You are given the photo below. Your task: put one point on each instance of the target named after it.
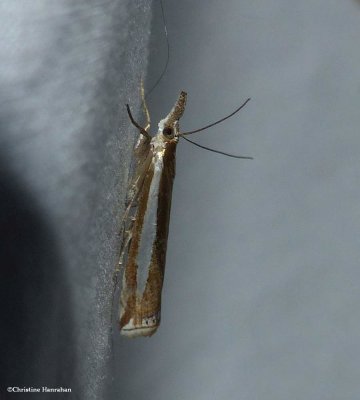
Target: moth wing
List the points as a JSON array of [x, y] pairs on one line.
[[144, 270]]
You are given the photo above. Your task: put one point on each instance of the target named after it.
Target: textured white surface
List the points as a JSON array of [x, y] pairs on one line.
[[67, 70]]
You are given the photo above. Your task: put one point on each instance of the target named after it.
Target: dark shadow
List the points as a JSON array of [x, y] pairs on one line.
[[36, 341]]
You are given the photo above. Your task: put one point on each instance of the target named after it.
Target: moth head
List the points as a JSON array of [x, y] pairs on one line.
[[169, 126]]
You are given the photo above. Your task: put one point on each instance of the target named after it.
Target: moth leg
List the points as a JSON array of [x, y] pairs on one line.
[[125, 242], [126, 233], [124, 247], [125, 219], [126, 236], [126, 213], [145, 108]]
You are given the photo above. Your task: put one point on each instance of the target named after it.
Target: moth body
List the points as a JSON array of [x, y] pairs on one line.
[[146, 227]]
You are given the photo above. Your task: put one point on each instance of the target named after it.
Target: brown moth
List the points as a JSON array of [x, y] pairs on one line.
[[146, 221]]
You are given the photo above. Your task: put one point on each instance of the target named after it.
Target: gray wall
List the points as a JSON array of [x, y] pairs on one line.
[[67, 70], [261, 288]]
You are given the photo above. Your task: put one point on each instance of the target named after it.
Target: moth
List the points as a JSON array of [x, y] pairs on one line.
[[146, 219]]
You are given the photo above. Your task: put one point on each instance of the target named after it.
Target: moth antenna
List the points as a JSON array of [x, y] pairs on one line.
[[168, 51], [218, 151], [141, 129], [217, 122]]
